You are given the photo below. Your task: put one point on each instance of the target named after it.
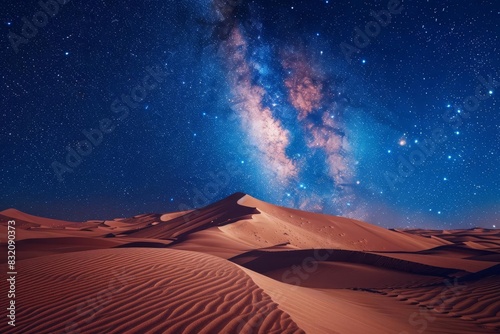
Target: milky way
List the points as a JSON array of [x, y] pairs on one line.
[[258, 97], [264, 131], [318, 119]]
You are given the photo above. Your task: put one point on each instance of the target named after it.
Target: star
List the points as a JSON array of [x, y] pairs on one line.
[[301, 125]]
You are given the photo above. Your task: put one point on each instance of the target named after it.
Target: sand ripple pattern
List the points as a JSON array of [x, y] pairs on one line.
[[141, 291], [477, 302]]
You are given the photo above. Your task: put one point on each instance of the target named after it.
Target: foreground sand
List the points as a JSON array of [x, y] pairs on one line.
[[245, 266]]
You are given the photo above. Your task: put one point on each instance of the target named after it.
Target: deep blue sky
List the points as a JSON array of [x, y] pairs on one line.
[[258, 97]]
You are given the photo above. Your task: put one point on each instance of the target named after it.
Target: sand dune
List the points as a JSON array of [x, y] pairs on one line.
[[139, 291], [477, 238], [245, 266], [326, 311], [25, 220], [476, 302], [312, 230]]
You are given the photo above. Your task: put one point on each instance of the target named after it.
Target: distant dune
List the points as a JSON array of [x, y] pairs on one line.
[[242, 265]]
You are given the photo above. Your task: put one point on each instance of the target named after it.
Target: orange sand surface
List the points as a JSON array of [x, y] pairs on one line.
[[245, 266]]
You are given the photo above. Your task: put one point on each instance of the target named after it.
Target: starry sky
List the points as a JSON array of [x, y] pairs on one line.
[[383, 111]]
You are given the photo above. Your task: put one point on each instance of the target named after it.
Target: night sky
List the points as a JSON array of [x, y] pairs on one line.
[[382, 111]]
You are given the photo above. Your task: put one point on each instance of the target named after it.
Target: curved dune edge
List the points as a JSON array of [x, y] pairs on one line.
[[141, 291], [340, 311], [261, 261]]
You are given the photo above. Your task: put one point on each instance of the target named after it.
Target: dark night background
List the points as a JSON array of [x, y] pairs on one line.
[[259, 95]]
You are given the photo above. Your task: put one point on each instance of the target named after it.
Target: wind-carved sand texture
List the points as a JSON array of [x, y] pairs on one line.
[[245, 266]]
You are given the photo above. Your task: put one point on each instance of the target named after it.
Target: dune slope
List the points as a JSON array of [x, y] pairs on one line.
[[140, 291]]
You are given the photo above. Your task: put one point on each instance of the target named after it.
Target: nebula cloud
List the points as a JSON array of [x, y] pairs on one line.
[[318, 123], [321, 119], [304, 85], [265, 132]]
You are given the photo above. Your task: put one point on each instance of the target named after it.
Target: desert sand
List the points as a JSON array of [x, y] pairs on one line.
[[242, 265]]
